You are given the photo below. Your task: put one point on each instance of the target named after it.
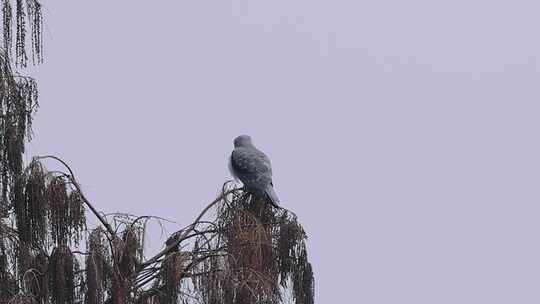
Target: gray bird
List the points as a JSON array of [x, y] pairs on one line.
[[253, 168]]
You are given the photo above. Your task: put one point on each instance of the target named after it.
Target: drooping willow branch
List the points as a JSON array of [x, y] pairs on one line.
[[240, 256], [19, 19], [249, 253], [76, 184]]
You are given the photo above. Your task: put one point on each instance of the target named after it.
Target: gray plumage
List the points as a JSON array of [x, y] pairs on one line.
[[253, 168]]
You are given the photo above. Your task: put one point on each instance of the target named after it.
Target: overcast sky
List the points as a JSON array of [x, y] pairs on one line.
[[404, 134]]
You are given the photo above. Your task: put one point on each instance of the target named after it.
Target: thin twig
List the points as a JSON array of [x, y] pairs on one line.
[[186, 232]]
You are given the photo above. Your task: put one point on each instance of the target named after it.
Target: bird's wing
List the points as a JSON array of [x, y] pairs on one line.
[[265, 160], [250, 162]]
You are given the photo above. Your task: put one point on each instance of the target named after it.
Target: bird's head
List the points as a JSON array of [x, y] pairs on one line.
[[242, 141]]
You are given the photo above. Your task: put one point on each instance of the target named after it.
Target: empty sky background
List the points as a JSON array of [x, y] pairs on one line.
[[404, 134]]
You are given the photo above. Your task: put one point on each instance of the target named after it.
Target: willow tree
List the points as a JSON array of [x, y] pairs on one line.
[[245, 251]]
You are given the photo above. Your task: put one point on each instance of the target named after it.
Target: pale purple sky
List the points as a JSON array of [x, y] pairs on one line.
[[404, 134]]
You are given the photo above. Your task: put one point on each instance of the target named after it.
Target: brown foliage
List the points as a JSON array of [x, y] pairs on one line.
[[251, 258], [62, 279], [36, 278], [125, 256], [172, 274], [31, 208], [96, 262], [262, 248]]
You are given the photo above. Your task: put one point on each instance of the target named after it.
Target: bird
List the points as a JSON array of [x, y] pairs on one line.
[[253, 168]]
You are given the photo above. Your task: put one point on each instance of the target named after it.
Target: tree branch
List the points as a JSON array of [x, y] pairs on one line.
[[186, 232], [76, 184]]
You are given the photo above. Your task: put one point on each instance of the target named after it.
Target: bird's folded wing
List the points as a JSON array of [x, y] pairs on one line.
[[250, 162]]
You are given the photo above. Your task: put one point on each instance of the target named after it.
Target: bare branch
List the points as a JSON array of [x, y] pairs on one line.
[[186, 232]]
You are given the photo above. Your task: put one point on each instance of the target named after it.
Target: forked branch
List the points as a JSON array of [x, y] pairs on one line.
[[185, 233]]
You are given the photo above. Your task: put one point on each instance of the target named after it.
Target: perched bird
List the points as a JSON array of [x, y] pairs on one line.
[[252, 167]]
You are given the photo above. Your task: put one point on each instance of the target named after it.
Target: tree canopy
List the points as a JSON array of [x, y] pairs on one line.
[[244, 251]]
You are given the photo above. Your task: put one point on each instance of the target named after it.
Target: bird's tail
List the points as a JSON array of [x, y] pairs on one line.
[[272, 196]]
